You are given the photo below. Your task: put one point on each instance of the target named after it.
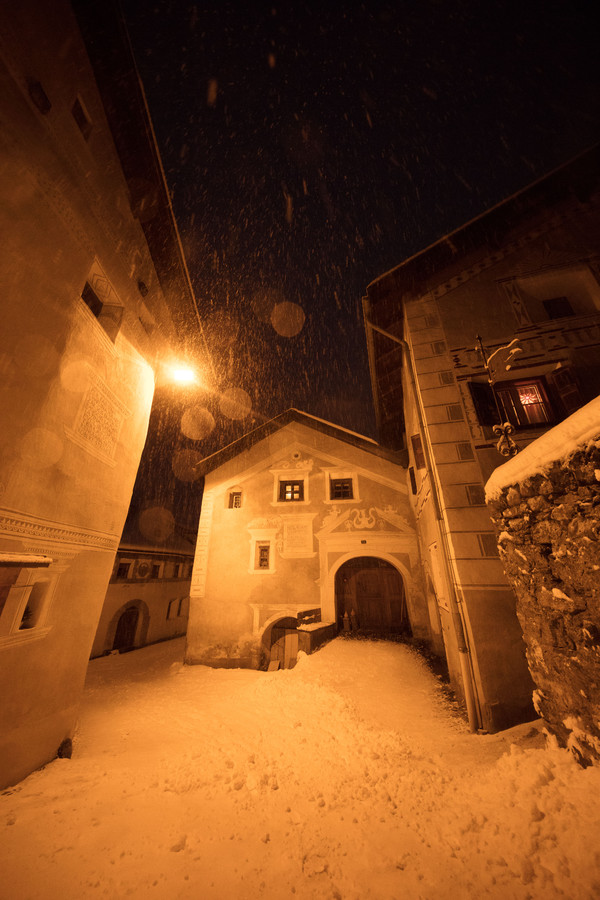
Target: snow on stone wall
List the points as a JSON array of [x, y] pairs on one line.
[[545, 505]]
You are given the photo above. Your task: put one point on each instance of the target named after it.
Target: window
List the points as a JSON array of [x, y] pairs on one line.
[[180, 607], [417, 448], [558, 307], [24, 598], [446, 378], [438, 347], [488, 545], [82, 119], [413, 480], [455, 412], [156, 570], [263, 555], [340, 489], [235, 500], [291, 491], [464, 451], [109, 315], [475, 494], [524, 403], [123, 569], [176, 570], [171, 609]]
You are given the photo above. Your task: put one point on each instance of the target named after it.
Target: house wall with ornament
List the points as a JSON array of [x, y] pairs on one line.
[[84, 318], [263, 558], [518, 288]]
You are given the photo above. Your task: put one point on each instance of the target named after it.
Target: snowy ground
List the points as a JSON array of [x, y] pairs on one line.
[[350, 776]]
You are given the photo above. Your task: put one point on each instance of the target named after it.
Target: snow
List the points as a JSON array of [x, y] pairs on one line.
[[557, 443], [350, 776]]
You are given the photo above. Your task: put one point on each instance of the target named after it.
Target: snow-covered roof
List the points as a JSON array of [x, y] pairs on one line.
[[558, 443], [285, 418]]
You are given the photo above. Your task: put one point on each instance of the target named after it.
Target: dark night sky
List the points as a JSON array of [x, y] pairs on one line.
[[310, 151]]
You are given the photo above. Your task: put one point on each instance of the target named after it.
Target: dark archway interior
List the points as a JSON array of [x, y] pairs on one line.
[[370, 597], [126, 628]]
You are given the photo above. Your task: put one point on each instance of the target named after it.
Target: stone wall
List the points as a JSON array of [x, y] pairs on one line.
[[548, 526]]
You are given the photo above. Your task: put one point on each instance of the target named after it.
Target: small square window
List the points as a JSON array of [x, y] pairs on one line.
[[475, 494], [291, 491], [109, 315], [235, 500], [455, 412], [438, 347], [488, 545], [123, 570], [558, 307], [464, 451], [340, 489], [446, 378]]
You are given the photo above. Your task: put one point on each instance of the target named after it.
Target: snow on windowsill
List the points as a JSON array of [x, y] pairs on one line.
[[557, 443]]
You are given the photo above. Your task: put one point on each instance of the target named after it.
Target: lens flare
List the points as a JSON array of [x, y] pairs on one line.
[[197, 423], [287, 319]]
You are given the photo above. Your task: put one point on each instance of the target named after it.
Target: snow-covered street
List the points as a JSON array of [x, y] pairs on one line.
[[350, 776]]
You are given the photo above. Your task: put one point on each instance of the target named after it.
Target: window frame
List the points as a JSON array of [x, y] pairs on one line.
[[27, 582], [518, 410], [282, 489]]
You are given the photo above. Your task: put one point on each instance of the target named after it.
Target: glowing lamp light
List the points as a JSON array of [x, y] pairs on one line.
[[183, 375]]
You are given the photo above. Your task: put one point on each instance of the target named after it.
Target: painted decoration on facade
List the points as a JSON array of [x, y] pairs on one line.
[[297, 536]]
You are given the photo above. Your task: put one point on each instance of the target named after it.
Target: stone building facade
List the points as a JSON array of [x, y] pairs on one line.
[[93, 292], [147, 599], [545, 504], [527, 270], [305, 529]]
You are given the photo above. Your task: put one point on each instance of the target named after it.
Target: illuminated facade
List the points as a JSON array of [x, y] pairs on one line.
[[305, 529], [528, 271], [91, 283]]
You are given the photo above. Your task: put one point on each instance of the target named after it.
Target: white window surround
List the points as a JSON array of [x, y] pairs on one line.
[[32, 584], [262, 536], [340, 473], [288, 473]]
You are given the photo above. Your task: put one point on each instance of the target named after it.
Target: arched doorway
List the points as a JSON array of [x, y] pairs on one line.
[[281, 642], [370, 596], [126, 629]]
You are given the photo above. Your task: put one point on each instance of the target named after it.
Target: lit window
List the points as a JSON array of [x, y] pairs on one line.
[[235, 500], [524, 403], [291, 491], [340, 489]]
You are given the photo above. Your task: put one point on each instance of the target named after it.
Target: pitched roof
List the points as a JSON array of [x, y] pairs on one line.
[[285, 418], [577, 178]]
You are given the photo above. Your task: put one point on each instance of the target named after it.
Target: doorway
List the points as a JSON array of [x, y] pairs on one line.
[[284, 643], [126, 629], [370, 596]]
